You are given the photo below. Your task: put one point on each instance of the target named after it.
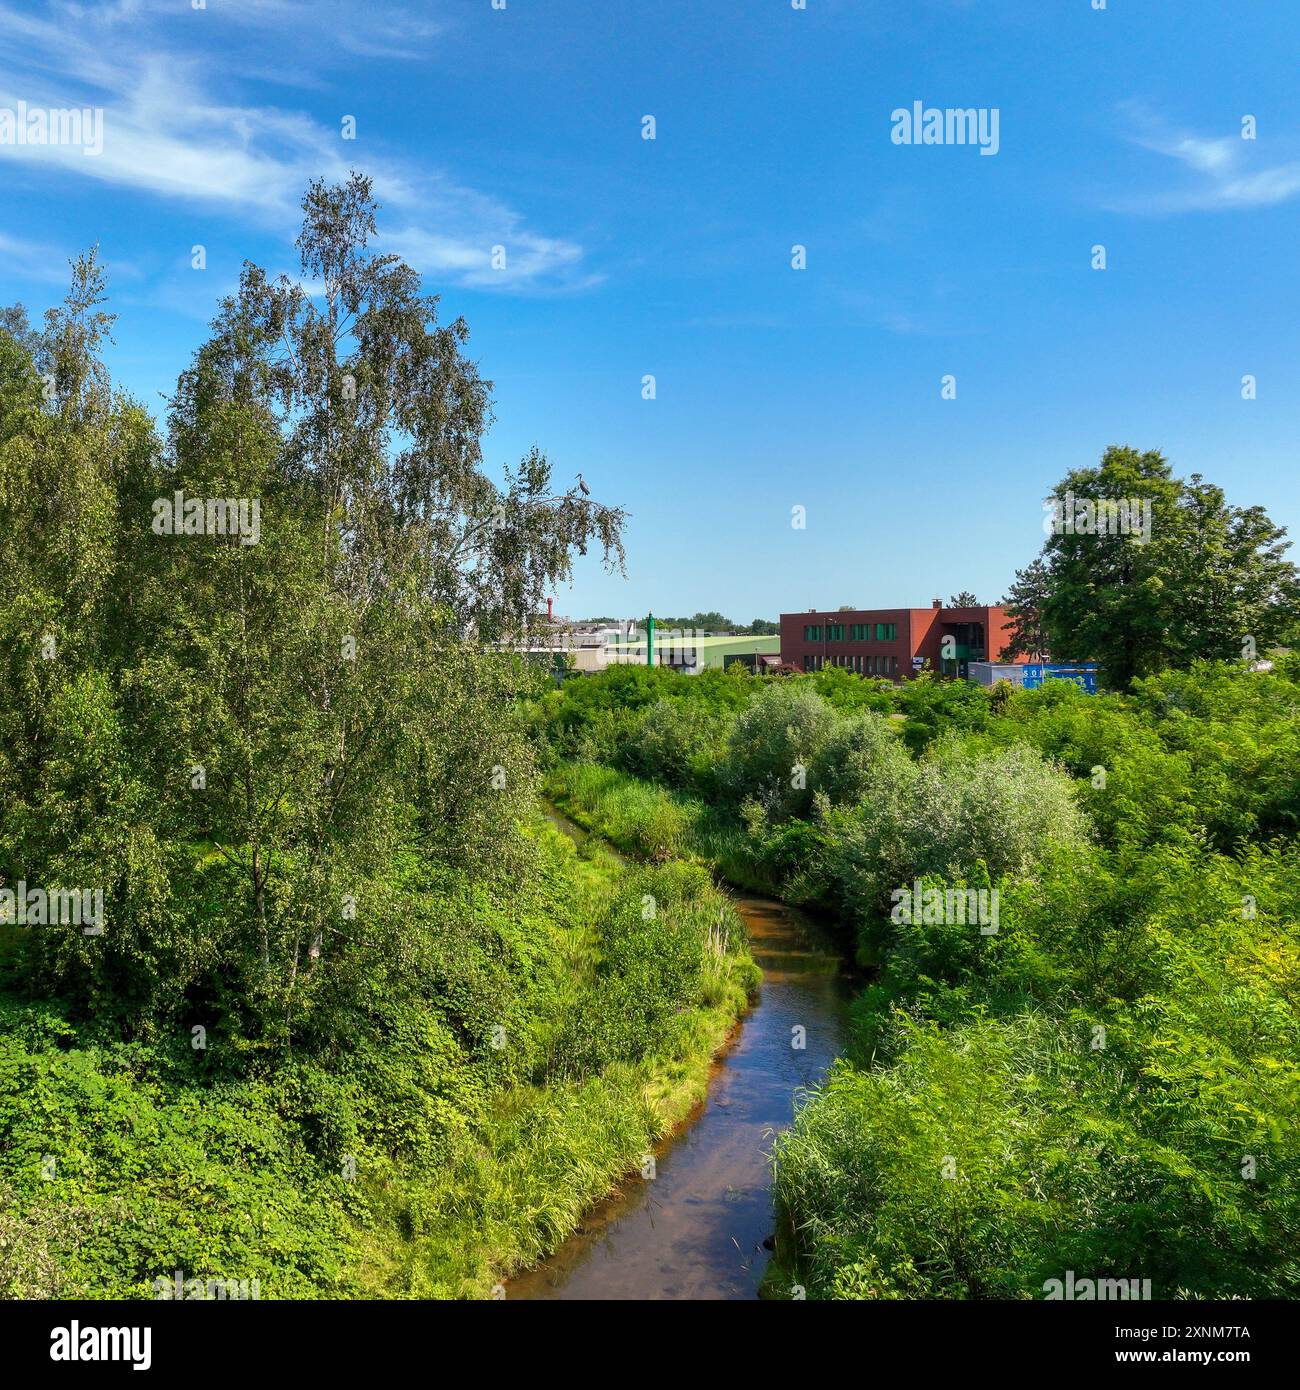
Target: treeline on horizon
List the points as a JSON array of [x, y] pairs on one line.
[[712, 621]]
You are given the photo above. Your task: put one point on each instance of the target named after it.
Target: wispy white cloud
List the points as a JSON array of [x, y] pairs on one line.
[[531, 261], [31, 261], [166, 135], [37, 262], [1225, 171]]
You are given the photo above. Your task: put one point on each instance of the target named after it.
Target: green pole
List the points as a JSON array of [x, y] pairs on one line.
[[650, 640]]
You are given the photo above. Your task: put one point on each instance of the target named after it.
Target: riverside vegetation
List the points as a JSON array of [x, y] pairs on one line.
[[360, 1021], [1109, 1083]]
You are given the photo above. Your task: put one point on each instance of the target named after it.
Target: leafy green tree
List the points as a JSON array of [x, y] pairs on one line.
[[712, 621], [1024, 603], [236, 732], [965, 599], [1209, 581], [74, 811], [1233, 593], [341, 716]]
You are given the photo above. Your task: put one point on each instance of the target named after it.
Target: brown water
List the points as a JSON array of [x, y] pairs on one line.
[[696, 1230]]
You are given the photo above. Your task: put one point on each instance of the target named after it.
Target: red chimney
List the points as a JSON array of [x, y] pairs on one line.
[[549, 614], [938, 603]]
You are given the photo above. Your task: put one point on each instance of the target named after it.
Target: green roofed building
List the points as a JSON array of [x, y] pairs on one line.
[[685, 652]]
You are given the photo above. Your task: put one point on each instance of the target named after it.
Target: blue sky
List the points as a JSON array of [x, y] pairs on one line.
[[775, 387]]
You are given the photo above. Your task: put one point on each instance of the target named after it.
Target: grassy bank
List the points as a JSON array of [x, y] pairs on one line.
[[656, 823], [422, 1161], [515, 1189]]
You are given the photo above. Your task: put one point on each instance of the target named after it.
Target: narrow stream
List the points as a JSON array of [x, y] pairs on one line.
[[696, 1230]]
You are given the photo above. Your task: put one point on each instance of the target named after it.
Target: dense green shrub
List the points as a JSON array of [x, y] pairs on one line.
[[1109, 1084], [1005, 811], [861, 759], [776, 740], [934, 706], [680, 742]]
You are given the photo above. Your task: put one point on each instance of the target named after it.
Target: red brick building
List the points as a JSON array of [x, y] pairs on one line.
[[894, 643]]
